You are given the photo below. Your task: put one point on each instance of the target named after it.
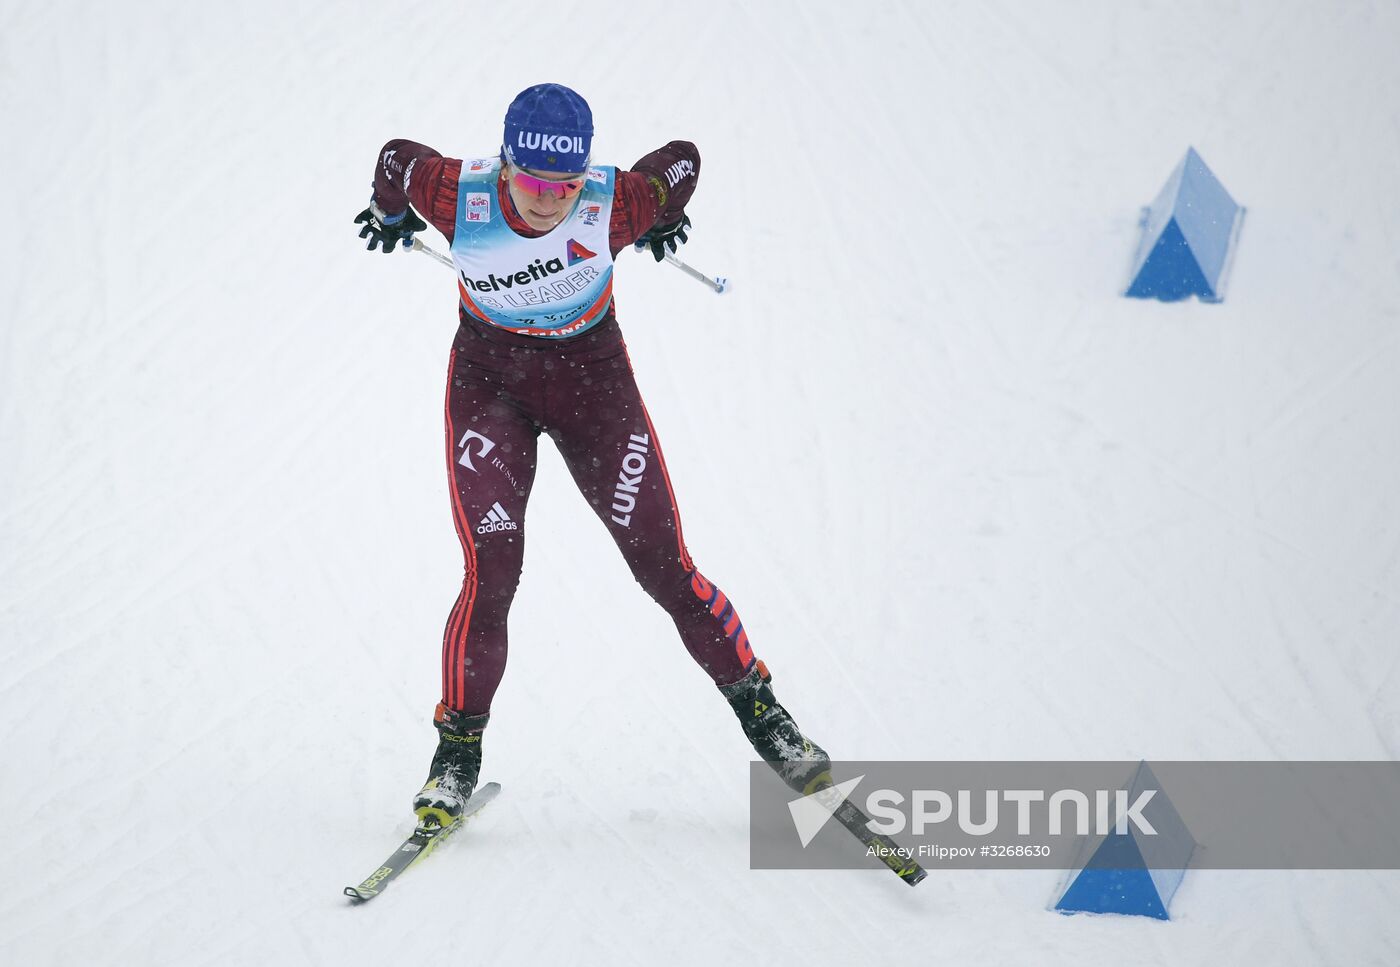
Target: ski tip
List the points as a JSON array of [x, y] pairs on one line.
[[356, 895], [915, 876]]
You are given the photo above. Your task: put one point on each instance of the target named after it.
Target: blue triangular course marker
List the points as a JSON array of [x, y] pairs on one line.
[[1188, 237], [1133, 873], [1115, 881]]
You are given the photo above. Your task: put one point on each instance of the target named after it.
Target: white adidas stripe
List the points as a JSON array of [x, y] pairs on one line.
[[496, 515]]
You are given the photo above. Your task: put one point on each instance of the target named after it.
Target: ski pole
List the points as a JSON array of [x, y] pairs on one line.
[[418, 246], [719, 283]]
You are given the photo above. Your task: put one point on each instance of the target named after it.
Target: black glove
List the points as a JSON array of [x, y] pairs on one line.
[[664, 237], [389, 229]]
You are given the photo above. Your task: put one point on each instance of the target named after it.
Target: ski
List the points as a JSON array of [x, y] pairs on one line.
[[426, 838], [848, 814]]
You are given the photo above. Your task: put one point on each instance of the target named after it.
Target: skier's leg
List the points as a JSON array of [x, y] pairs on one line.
[[491, 451], [612, 451], [611, 448]]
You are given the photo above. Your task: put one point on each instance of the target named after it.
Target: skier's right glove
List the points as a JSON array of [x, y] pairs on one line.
[[389, 229]]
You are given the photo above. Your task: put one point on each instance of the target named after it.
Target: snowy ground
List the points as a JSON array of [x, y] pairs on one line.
[[970, 502]]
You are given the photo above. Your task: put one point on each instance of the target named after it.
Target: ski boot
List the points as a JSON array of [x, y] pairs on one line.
[[455, 768], [799, 761]]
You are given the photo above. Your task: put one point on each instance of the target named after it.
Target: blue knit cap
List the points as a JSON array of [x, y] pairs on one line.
[[549, 128]]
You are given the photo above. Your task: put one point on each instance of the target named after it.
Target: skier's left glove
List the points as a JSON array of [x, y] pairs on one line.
[[664, 237], [389, 229]]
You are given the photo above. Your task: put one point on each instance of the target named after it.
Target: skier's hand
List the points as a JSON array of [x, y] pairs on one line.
[[664, 237], [389, 229]]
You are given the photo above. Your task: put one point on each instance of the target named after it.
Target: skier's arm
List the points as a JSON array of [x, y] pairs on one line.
[[654, 193], [408, 173]]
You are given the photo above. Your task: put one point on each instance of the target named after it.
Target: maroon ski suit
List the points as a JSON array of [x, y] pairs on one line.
[[505, 389]]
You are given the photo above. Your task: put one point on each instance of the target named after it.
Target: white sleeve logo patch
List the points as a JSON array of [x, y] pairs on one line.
[[478, 206]]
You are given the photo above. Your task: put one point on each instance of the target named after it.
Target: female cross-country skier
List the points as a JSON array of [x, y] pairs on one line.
[[534, 231]]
